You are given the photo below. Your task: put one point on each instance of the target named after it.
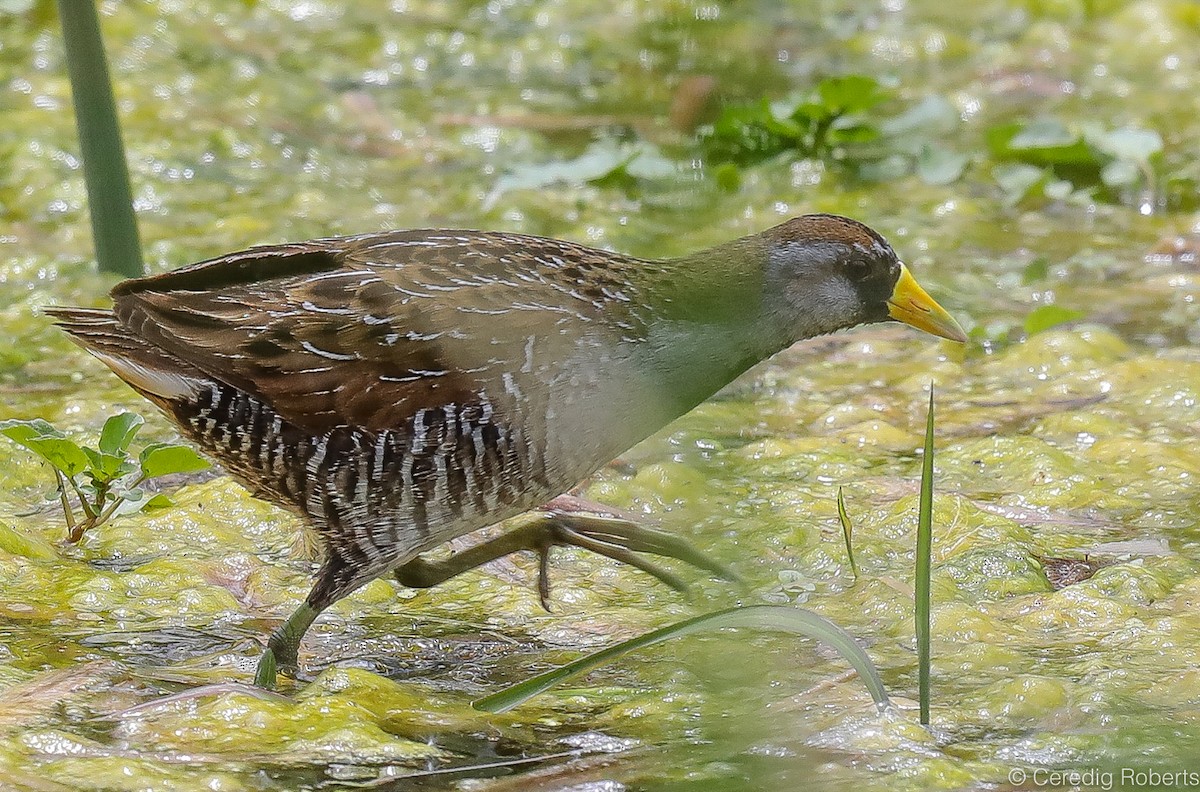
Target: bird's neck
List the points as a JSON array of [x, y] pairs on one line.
[[708, 322]]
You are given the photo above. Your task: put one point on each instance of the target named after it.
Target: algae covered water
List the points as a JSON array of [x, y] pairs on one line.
[[1033, 163]]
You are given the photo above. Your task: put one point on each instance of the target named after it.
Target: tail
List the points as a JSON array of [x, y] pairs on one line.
[[151, 371]]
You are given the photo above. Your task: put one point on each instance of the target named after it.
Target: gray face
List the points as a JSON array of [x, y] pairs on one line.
[[826, 273]]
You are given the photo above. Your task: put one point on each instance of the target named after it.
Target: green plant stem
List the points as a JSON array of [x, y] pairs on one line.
[[68, 512], [83, 501], [924, 565], [110, 199], [117, 501]]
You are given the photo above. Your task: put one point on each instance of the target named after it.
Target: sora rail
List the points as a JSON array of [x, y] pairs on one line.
[[401, 389]]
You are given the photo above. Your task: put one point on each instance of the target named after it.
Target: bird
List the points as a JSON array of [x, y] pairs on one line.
[[401, 389]]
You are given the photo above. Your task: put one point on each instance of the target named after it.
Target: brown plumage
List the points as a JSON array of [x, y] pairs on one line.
[[400, 389]]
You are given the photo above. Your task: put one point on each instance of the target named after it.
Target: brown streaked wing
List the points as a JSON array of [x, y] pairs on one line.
[[367, 330]]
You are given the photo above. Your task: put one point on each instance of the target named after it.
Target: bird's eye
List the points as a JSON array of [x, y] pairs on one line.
[[858, 269]]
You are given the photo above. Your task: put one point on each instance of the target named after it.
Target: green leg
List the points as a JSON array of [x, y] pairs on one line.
[[569, 521], [284, 645]]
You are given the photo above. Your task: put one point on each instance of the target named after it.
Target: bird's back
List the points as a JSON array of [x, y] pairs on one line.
[[401, 388]]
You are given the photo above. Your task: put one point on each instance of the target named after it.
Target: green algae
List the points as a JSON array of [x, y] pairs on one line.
[[1050, 445]]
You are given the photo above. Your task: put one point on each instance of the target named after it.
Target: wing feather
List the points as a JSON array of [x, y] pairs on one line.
[[367, 330]]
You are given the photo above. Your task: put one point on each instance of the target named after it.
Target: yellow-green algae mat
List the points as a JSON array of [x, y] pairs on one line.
[[269, 121]]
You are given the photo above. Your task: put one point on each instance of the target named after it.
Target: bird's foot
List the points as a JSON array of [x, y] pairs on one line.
[[282, 651], [570, 521], [264, 674], [615, 534]]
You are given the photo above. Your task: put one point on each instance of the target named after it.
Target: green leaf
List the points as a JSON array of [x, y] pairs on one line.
[[938, 165], [924, 565], [933, 115], [763, 617], [1035, 271], [602, 161], [728, 176], [159, 501], [847, 531], [853, 93], [130, 502], [1017, 181], [1045, 317], [16, 6], [1058, 189], [850, 130], [161, 459], [1120, 173], [47, 442], [1045, 142], [1044, 134], [20, 431], [1127, 143], [106, 467], [118, 432]]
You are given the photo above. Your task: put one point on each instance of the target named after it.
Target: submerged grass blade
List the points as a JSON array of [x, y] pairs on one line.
[[763, 617], [110, 200], [923, 564], [847, 530]]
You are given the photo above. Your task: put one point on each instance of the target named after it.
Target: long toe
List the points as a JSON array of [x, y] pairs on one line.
[[626, 534]]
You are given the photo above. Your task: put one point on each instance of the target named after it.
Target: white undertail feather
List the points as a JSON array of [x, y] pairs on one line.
[[164, 384], [145, 367]]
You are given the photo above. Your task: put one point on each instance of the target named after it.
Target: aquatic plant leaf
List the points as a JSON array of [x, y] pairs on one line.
[[853, 93], [1018, 180], [1131, 144], [106, 467], [1045, 142], [1045, 317], [932, 115], [1035, 271], [161, 459], [47, 442], [119, 431], [763, 617], [1120, 173], [937, 165]]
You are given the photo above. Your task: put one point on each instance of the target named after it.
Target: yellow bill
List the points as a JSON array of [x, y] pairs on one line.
[[911, 304]]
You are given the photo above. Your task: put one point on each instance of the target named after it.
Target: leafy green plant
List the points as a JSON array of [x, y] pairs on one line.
[[605, 162], [838, 121], [821, 123], [97, 484], [1046, 158], [1007, 331]]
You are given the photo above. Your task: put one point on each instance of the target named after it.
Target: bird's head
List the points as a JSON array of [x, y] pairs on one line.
[[825, 273]]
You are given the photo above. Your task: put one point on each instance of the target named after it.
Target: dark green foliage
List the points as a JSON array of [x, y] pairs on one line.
[[1047, 159], [830, 122], [105, 480], [841, 122]]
